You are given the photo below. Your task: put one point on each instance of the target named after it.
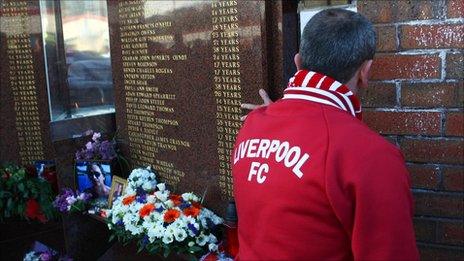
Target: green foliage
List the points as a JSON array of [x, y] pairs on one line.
[[17, 187]]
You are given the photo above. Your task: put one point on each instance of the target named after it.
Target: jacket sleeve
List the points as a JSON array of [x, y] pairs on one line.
[[371, 197]]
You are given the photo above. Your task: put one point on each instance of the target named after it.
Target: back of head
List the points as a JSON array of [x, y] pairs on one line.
[[335, 42]]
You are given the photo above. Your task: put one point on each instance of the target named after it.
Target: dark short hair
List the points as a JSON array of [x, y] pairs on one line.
[[90, 172], [335, 42]]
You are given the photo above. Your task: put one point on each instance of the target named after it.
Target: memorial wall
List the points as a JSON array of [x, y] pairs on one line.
[[181, 70], [24, 128]]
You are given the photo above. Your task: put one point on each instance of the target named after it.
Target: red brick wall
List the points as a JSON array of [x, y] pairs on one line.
[[416, 100]]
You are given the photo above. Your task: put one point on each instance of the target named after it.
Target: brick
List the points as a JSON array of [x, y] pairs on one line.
[[425, 229], [455, 8], [389, 67], [431, 36], [439, 252], [378, 95], [453, 178], [433, 150], [455, 66], [432, 95], [386, 38], [392, 139], [452, 233], [424, 176], [438, 205], [454, 124], [392, 122], [402, 10]]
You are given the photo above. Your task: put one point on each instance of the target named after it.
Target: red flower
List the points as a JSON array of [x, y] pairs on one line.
[[192, 211], [197, 205], [171, 215], [33, 211], [211, 257], [127, 200], [146, 210], [176, 199]]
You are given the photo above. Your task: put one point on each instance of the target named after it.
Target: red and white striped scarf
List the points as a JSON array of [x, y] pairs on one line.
[[316, 87]]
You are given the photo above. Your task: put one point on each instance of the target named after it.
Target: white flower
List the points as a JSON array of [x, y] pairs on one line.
[[156, 231], [212, 238], [191, 244], [171, 229], [129, 190], [168, 238], [71, 200], [212, 247], [202, 239], [190, 197], [144, 178], [161, 187], [180, 235], [169, 204], [147, 186], [191, 221], [208, 214], [31, 257], [159, 230], [96, 136], [151, 199], [161, 195]]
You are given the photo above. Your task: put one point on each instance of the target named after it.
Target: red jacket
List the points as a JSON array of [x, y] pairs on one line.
[[312, 182]]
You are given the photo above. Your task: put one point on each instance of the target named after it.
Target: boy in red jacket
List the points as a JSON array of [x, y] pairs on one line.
[[311, 180]]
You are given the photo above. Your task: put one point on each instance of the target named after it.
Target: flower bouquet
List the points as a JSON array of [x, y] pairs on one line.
[[161, 221], [41, 252], [96, 149], [23, 194], [69, 201]]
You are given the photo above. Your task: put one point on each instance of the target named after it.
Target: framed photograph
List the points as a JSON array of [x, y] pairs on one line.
[[94, 177], [117, 189]]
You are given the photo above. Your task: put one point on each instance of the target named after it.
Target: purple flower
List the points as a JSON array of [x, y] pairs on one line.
[[192, 228], [145, 240], [96, 136], [140, 191], [95, 149], [142, 198], [89, 145], [67, 198], [107, 150], [45, 256], [84, 196], [184, 205]]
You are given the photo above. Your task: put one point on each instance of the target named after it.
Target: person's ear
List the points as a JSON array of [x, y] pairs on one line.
[[298, 61], [363, 76]]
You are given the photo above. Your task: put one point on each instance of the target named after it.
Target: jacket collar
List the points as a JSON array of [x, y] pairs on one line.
[[319, 88]]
